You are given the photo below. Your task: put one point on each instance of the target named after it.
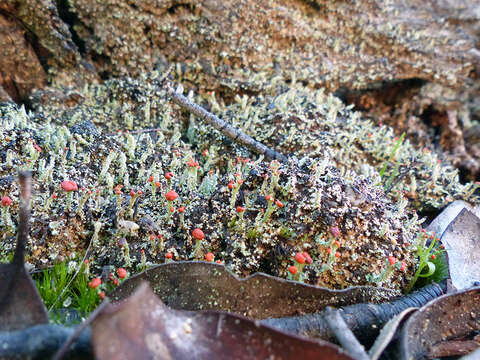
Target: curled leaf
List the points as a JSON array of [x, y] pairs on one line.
[[142, 327], [20, 302], [430, 268], [462, 244], [195, 285], [449, 317], [441, 222]]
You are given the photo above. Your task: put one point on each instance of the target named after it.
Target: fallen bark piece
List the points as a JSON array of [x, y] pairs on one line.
[[142, 327], [192, 285]]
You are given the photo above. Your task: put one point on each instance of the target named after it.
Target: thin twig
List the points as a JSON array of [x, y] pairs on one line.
[[25, 180], [140, 131], [78, 330], [344, 335], [224, 127]]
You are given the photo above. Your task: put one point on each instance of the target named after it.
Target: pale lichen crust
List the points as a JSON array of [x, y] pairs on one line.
[[121, 208]]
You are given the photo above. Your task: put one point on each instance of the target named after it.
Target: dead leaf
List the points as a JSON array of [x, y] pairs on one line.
[[441, 222], [387, 333], [449, 317], [193, 285], [20, 302], [453, 348], [462, 243], [142, 327]]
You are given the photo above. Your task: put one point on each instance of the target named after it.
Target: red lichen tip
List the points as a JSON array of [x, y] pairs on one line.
[[403, 266], [231, 185], [209, 257], [181, 209], [122, 273], [168, 175], [157, 184], [307, 257], [169, 255], [101, 294], [240, 209], [132, 193], [69, 185], [152, 237], [433, 256], [150, 179], [171, 195], [198, 234], [269, 198], [337, 255], [337, 243], [335, 231], [6, 201], [292, 269], [392, 260], [192, 163], [279, 204], [299, 258], [94, 283]]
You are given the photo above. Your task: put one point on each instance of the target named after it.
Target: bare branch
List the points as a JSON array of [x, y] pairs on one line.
[[344, 335], [224, 127], [25, 179]]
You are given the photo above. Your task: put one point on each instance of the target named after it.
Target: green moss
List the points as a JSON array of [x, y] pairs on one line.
[[59, 289]]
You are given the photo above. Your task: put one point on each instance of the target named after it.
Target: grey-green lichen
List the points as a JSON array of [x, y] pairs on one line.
[[297, 120], [87, 143]]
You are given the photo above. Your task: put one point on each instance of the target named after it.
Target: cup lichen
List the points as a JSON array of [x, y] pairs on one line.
[[322, 186]]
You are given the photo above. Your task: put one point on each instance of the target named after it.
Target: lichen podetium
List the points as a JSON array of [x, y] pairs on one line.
[[330, 181]]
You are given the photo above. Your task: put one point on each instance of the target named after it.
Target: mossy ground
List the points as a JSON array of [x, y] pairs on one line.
[[125, 131]]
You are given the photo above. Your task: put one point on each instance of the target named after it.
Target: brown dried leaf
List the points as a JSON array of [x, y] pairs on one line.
[[142, 327], [446, 318], [195, 285], [462, 243], [441, 222], [20, 302]]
